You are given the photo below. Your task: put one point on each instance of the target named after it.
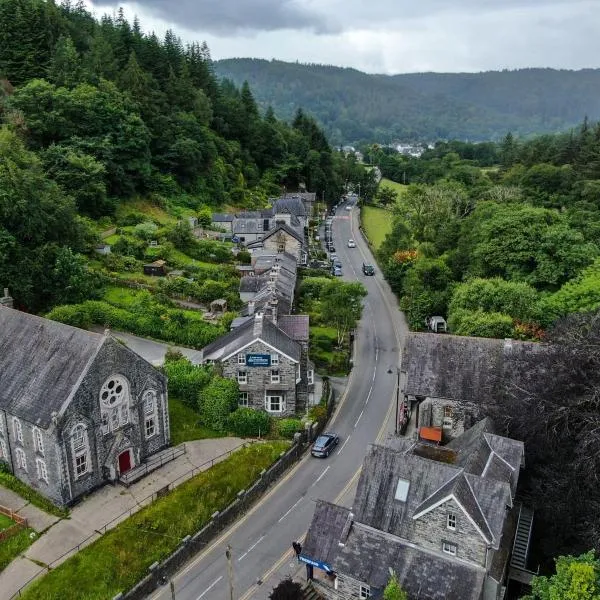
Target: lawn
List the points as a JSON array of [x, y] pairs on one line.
[[377, 223], [121, 557], [5, 522], [185, 425], [8, 480], [397, 187], [15, 545], [154, 212]]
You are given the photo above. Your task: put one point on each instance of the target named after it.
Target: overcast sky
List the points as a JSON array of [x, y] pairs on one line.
[[385, 36]]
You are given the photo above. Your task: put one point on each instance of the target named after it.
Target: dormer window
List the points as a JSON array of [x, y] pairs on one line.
[[402, 490]]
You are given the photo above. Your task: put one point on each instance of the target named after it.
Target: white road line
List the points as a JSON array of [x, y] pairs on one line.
[[289, 511], [210, 587], [369, 396], [260, 539], [340, 450], [359, 416], [321, 476]]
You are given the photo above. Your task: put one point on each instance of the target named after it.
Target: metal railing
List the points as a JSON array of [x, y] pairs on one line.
[[152, 464]]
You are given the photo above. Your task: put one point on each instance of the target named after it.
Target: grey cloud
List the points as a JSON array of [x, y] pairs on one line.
[[227, 17]]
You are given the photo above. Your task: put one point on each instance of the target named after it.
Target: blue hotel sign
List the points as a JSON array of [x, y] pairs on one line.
[[258, 360], [315, 563]]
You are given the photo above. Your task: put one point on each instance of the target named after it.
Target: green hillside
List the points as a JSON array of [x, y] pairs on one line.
[[354, 106]]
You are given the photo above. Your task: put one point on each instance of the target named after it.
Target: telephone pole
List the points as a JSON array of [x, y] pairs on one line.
[[229, 570]]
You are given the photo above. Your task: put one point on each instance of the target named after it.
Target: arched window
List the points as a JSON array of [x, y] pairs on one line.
[[17, 430], [81, 450], [114, 403], [150, 404], [38, 441]]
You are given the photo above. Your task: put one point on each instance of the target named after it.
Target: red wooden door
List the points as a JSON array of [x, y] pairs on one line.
[[124, 461]]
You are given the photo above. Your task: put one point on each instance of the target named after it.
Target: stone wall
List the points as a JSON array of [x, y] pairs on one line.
[[259, 378], [453, 416], [431, 530], [196, 543]]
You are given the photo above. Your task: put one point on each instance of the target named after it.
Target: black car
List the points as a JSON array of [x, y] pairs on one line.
[[368, 269], [325, 444]]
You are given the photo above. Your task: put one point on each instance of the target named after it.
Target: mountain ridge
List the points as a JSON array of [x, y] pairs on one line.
[[354, 106]]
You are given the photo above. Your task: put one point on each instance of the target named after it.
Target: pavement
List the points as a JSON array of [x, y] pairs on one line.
[[260, 541], [100, 511]]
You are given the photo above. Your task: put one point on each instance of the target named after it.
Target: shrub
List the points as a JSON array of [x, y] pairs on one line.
[[247, 422], [145, 231], [217, 401], [286, 428], [481, 324], [186, 380], [318, 413], [244, 257], [74, 314]]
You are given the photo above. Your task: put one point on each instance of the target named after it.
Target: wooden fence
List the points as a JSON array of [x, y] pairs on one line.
[[20, 523]]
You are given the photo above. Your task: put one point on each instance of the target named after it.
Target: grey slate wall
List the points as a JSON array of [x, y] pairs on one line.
[[431, 530]]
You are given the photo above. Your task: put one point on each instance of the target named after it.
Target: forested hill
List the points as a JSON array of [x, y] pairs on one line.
[[353, 106]]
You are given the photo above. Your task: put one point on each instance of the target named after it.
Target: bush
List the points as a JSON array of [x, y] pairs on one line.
[[318, 413], [186, 380], [247, 422], [286, 428], [244, 257], [217, 401], [74, 314], [481, 324]]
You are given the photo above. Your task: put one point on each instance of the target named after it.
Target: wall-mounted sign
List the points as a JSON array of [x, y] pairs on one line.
[[258, 360], [315, 563]]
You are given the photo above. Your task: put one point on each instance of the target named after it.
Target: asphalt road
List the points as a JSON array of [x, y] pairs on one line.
[[261, 540]]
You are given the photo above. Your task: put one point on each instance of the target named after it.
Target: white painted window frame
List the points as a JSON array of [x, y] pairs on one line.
[[275, 376], [38, 440], [449, 548], [242, 379], [42, 471], [243, 399], [364, 591], [150, 400], [268, 403], [451, 522], [81, 450], [241, 359], [274, 360], [21, 459], [3, 451], [17, 430], [310, 376]]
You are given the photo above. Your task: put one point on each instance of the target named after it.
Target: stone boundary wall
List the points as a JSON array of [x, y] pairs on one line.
[[159, 573]]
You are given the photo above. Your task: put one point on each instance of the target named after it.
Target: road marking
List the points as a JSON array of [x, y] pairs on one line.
[[359, 416], [210, 587], [321, 476], [369, 394], [340, 450], [289, 511], [260, 539]]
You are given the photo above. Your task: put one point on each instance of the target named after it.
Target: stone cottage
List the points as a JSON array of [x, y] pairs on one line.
[[450, 380], [442, 518], [267, 364], [77, 409], [283, 238]]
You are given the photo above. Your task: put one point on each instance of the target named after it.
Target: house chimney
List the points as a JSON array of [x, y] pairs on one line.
[[273, 302], [6, 300], [258, 324], [251, 307]]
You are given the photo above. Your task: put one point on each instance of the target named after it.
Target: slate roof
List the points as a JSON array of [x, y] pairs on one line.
[[484, 499], [292, 205], [296, 326], [247, 333], [465, 368], [250, 283], [325, 533], [221, 218], [287, 229], [368, 553], [41, 362], [248, 225]]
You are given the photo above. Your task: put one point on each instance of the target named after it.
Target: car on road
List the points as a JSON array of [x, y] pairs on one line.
[[368, 269], [325, 444], [337, 271], [331, 248], [348, 206], [351, 244]]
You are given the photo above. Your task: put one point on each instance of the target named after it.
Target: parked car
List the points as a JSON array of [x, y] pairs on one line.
[[368, 269], [337, 271], [325, 444], [351, 244]]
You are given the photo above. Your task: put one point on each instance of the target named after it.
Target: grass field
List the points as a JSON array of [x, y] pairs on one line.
[[377, 223], [15, 545], [397, 187], [5, 522], [121, 557]]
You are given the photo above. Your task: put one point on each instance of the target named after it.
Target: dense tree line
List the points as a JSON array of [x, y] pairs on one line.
[[96, 112], [502, 250], [354, 106]]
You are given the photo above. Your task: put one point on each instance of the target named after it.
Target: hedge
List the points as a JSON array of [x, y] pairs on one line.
[[247, 422]]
